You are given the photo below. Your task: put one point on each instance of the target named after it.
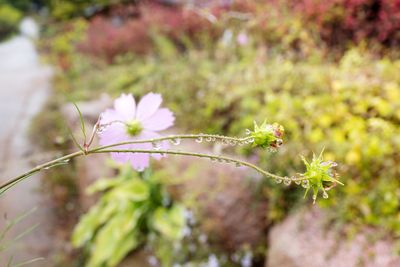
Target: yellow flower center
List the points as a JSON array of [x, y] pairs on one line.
[[134, 128]]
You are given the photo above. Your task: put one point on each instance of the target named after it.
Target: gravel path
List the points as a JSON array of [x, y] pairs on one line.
[[24, 87]]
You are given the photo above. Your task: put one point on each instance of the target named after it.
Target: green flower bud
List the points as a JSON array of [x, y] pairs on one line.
[[319, 174], [267, 135]]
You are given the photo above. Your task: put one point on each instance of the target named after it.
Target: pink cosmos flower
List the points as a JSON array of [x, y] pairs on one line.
[[128, 121]]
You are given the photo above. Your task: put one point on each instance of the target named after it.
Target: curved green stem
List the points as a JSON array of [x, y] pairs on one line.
[[193, 154], [211, 137], [106, 149], [4, 186]]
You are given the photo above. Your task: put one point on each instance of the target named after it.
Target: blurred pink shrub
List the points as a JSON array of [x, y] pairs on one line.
[[355, 19], [129, 29], [106, 40]]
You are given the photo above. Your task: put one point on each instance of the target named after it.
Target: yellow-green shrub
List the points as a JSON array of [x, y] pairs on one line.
[[9, 19], [351, 107]]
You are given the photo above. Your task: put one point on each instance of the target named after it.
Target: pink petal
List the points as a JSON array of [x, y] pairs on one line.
[[112, 134], [149, 135], [148, 105], [162, 119], [125, 106], [109, 116], [120, 157], [140, 161]]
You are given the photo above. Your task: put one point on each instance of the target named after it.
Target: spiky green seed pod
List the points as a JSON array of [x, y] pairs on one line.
[[319, 174], [267, 135]]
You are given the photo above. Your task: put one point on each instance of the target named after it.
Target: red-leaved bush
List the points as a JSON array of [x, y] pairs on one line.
[[128, 28], [355, 19], [106, 40]]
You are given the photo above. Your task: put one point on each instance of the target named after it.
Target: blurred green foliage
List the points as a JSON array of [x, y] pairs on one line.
[[67, 9], [344, 101], [347, 106], [129, 210], [9, 20], [21, 5]]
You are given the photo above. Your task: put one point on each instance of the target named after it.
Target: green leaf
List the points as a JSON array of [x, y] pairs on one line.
[[112, 234], [15, 221], [91, 221], [102, 185], [169, 222], [73, 138], [126, 245], [81, 120], [134, 190]]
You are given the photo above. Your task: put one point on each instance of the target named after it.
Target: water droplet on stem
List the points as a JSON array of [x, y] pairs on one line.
[[156, 145], [305, 184], [176, 141]]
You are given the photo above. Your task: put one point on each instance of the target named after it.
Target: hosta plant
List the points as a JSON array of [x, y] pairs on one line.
[[132, 207]]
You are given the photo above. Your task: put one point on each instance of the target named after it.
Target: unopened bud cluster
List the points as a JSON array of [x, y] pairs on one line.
[[267, 135]]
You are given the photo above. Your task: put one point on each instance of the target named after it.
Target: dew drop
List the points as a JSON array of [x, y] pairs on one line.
[[199, 139], [233, 143], [287, 181], [298, 182], [305, 184], [248, 131], [176, 141], [325, 195], [278, 180], [279, 142], [225, 142], [208, 139], [314, 197], [156, 145], [101, 129], [251, 140]]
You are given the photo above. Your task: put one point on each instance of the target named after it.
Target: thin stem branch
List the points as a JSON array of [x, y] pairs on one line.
[[211, 137], [106, 149], [193, 154], [38, 168], [95, 129]]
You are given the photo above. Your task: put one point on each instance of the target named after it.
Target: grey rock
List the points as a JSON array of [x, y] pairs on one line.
[[305, 239]]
